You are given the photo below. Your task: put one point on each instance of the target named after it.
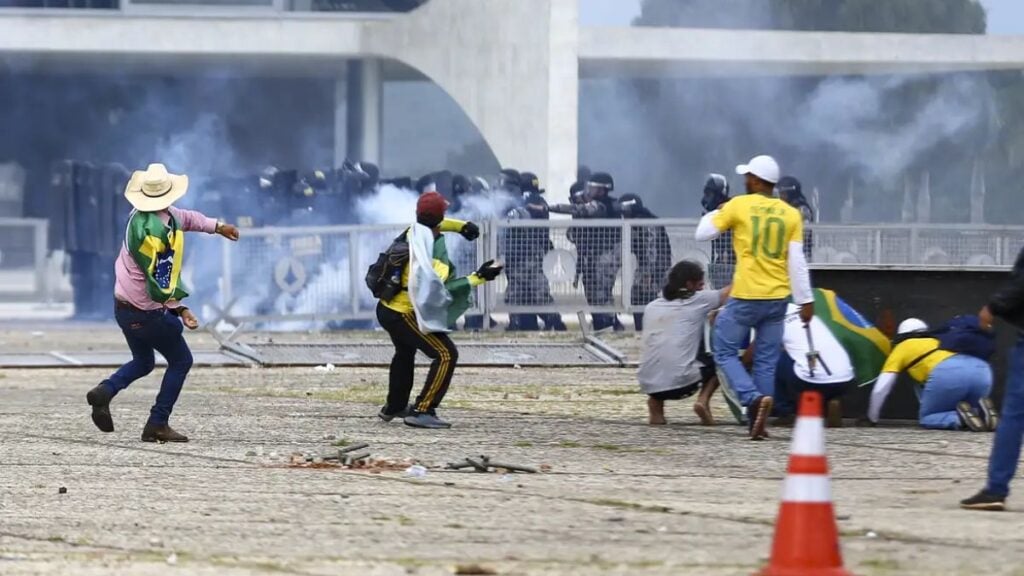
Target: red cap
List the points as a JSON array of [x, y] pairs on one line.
[[431, 204]]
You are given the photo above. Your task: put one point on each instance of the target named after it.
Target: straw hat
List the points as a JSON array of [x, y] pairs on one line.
[[154, 189]]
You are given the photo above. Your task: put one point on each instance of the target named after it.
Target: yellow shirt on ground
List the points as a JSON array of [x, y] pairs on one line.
[[762, 229], [909, 350]]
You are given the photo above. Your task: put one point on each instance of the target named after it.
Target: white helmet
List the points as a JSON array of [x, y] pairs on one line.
[[911, 325]]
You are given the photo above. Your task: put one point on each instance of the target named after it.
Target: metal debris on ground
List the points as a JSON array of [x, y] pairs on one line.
[[485, 464]]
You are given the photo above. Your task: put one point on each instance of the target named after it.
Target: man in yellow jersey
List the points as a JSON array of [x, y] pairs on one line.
[[405, 316], [956, 386], [771, 270]]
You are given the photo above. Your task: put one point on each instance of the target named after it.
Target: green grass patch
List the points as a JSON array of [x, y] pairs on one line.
[[523, 444], [569, 444]]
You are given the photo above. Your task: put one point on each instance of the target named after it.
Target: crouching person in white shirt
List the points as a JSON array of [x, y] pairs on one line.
[[673, 365], [826, 368]]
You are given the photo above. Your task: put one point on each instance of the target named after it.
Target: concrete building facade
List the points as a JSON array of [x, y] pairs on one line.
[[513, 66]]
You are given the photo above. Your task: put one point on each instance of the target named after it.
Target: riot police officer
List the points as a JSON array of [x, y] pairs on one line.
[[523, 251], [791, 192], [598, 249], [653, 251], [723, 260]]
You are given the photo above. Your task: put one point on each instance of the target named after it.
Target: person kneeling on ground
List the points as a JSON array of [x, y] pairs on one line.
[[812, 360], [672, 365], [955, 386], [431, 298], [148, 293]]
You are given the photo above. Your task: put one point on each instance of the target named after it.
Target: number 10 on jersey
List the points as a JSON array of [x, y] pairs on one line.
[[769, 236]]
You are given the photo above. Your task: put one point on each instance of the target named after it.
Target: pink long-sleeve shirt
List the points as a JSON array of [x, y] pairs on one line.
[[130, 283]]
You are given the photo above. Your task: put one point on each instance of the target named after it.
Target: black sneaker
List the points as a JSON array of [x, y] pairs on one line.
[[389, 416], [989, 414], [757, 417], [969, 419], [99, 398], [984, 501]]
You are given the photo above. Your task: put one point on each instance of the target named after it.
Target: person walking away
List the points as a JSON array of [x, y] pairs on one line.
[[148, 296], [770, 270], [955, 386], [1006, 304], [418, 317], [653, 251], [673, 364]]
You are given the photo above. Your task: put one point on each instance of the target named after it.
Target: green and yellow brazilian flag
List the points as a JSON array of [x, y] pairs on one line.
[[866, 345], [158, 249]]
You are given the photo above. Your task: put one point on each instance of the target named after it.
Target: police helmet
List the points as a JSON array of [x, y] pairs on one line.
[[716, 192], [529, 182], [601, 180]]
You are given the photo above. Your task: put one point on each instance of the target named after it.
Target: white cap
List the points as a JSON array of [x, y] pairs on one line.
[[764, 167], [911, 325]]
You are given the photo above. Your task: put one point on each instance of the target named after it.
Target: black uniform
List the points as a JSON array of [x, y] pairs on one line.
[[722, 263], [598, 249], [523, 250], [653, 251]]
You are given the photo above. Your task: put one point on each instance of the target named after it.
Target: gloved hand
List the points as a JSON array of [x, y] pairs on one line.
[[489, 271], [470, 231]]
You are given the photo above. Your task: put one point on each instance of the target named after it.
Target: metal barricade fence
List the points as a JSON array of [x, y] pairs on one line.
[[24, 247], [292, 278], [288, 278]]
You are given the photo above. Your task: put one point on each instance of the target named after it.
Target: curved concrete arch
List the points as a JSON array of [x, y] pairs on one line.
[[520, 88]]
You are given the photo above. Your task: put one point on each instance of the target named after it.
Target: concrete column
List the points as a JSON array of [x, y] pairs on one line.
[[513, 67], [341, 118], [365, 102]]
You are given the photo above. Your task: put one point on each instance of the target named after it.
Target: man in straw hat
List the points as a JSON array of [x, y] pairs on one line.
[[148, 294]]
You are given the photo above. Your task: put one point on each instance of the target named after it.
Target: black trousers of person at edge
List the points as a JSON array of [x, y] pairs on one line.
[[408, 339]]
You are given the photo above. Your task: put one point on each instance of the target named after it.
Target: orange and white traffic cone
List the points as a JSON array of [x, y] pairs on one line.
[[806, 539]]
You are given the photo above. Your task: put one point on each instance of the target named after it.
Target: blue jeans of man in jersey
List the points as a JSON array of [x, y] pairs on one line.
[[1002, 464], [732, 332]]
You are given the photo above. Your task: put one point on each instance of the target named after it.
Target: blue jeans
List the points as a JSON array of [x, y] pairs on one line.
[[1002, 465], [732, 330], [789, 387], [145, 332], [954, 380]]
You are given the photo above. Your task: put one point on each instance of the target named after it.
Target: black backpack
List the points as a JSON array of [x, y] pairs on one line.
[[961, 335], [384, 277]]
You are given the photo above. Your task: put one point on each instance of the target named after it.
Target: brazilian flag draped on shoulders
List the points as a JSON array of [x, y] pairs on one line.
[[158, 249], [867, 346]]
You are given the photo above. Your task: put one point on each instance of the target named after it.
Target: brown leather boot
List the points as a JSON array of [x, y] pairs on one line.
[[155, 433]]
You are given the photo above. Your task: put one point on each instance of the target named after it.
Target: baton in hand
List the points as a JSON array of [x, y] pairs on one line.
[[813, 357]]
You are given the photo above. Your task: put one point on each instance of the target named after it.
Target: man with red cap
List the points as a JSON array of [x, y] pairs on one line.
[[431, 298]]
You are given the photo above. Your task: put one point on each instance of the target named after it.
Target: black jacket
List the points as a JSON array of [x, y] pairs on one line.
[[1008, 302]]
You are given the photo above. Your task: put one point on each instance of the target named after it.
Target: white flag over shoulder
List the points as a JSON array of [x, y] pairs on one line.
[[430, 298]]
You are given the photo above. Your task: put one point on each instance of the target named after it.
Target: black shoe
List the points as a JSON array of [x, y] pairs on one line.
[[984, 501], [99, 398], [155, 433], [757, 417], [989, 414], [389, 416], [969, 419], [426, 420]]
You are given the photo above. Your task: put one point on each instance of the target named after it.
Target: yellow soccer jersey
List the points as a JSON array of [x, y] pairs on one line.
[[762, 229]]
